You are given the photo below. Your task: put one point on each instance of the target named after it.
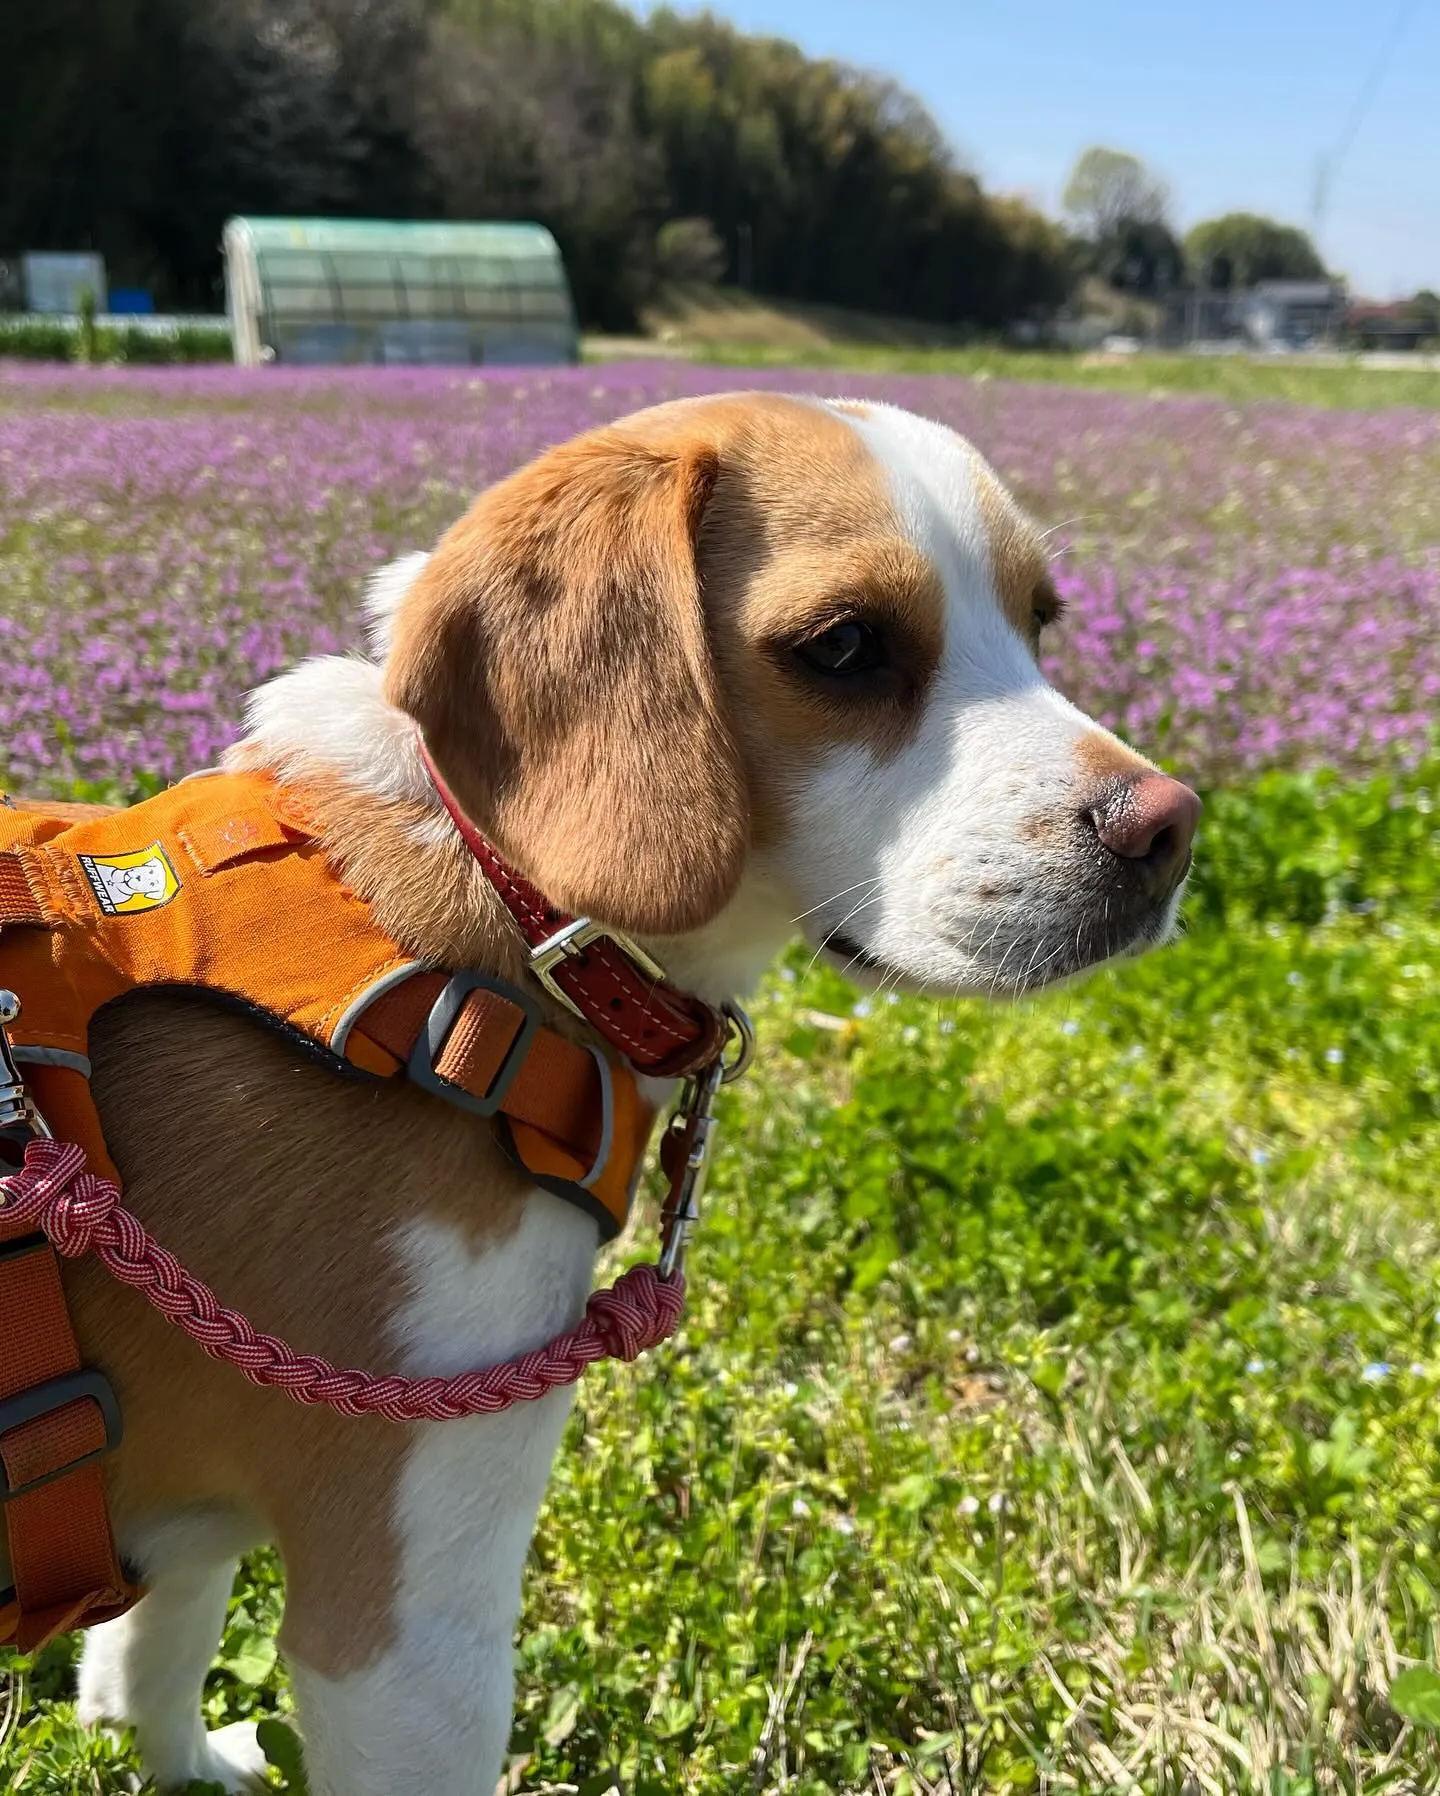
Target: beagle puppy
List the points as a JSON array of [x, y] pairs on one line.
[[729, 663]]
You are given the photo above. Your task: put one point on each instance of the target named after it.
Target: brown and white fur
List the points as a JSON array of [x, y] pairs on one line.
[[608, 657]]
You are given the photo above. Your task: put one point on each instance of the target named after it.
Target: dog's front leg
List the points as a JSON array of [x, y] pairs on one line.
[[427, 1711], [147, 1670]]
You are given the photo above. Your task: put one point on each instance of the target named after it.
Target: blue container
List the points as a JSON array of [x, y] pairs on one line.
[[133, 301]]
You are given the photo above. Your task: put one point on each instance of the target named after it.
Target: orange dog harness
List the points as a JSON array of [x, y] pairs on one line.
[[219, 886]]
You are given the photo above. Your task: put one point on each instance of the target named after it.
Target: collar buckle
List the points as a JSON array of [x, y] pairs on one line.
[[571, 942]]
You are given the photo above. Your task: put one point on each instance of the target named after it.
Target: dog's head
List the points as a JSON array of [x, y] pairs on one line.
[[764, 646]]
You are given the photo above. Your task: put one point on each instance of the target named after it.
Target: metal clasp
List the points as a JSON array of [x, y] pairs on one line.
[[571, 942], [17, 1107], [690, 1134]]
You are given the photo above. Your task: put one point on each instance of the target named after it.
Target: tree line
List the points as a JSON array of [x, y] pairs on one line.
[[135, 127]]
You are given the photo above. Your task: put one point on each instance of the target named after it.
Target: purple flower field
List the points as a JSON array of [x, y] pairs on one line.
[[1248, 587]]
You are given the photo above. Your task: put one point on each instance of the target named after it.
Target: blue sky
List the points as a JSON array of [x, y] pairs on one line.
[[1232, 103]]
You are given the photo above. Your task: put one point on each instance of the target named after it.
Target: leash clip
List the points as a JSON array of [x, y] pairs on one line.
[[17, 1107], [689, 1142]]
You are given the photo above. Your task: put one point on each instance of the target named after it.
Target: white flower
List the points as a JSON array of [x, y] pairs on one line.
[[1333, 1056], [969, 1505], [997, 1502], [800, 1507], [900, 1344]]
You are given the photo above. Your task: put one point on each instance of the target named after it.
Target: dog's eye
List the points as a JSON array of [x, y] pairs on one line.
[[844, 649], [1048, 608]]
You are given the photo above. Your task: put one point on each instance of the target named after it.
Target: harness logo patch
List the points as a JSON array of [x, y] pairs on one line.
[[126, 883]]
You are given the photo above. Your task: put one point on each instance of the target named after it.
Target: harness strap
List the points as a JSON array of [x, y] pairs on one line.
[[577, 1124], [55, 1423], [554, 1087]]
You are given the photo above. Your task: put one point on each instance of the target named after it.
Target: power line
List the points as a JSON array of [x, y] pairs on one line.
[[1326, 165], [1372, 81]]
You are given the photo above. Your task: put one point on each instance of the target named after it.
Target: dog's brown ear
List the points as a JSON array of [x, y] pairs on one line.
[[555, 653]]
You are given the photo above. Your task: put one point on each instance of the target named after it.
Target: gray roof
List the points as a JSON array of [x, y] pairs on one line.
[[1299, 293]]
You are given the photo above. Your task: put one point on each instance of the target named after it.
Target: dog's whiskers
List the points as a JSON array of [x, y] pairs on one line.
[[864, 904], [844, 892]]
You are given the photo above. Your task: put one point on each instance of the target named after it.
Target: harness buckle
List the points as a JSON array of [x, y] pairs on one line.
[[571, 942], [444, 1013], [17, 1108], [45, 1399], [688, 1144]]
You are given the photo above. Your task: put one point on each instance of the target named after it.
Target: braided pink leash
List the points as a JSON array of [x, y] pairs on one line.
[[81, 1213]]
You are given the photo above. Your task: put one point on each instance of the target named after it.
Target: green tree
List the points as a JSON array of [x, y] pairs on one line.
[[1242, 248], [1426, 307], [690, 249], [1111, 188], [1140, 257]]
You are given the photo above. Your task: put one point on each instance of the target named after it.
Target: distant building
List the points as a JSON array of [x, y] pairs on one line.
[[1400, 325], [1292, 314], [57, 284], [361, 290], [1269, 315]]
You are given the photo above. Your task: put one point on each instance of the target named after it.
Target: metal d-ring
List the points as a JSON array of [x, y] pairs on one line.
[[742, 1033]]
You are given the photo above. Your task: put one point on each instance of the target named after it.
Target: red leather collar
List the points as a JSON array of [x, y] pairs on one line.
[[600, 974]]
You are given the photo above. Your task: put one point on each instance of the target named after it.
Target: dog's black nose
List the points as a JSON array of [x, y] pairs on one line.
[[1149, 822]]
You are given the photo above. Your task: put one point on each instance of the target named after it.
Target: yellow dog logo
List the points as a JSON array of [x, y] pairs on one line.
[[125, 883]]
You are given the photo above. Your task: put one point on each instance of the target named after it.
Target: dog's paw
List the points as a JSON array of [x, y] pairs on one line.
[[100, 1700], [233, 1759]]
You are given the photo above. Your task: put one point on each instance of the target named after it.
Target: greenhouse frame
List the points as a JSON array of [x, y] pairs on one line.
[[324, 290]]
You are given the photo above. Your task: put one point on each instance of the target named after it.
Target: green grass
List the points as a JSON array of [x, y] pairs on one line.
[[63, 340], [1350, 387], [1057, 1404]]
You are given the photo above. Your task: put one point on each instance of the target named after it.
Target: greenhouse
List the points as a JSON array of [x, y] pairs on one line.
[[359, 290]]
